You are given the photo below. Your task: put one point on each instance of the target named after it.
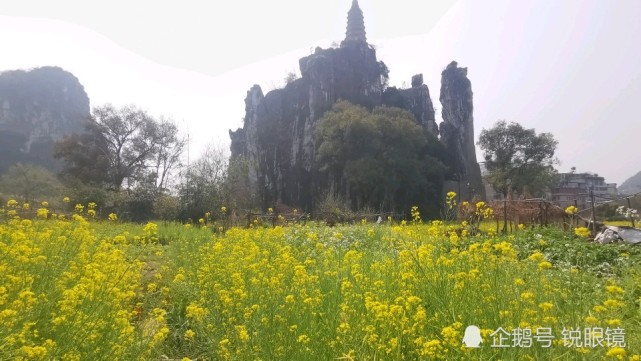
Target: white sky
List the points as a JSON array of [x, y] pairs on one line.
[[571, 67]]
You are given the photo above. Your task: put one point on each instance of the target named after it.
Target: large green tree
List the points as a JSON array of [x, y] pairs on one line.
[[518, 160], [380, 159]]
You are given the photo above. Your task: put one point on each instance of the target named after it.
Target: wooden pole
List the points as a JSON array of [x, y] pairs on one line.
[[575, 219], [631, 218], [541, 213], [504, 215], [593, 213]]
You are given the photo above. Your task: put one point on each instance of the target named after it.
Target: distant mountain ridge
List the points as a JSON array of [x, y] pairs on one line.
[[37, 108], [631, 185]]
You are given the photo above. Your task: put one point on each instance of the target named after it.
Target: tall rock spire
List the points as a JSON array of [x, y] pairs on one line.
[[457, 129], [355, 24]]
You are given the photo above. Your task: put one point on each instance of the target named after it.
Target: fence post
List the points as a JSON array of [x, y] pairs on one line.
[[504, 215], [574, 218], [593, 213], [541, 223]]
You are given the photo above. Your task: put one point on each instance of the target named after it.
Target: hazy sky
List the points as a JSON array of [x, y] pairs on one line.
[[571, 67]]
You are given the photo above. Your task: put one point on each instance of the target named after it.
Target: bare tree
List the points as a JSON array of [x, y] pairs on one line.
[[201, 189], [129, 145], [168, 154]]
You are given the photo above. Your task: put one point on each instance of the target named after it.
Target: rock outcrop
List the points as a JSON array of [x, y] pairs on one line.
[[457, 128], [277, 134], [416, 100], [37, 108]]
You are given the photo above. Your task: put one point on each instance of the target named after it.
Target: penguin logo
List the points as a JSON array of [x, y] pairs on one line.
[[472, 337]]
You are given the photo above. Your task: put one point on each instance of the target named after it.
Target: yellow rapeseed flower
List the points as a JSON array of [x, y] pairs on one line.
[[194, 311], [34, 352], [42, 213], [243, 335], [189, 335], [526, 296], [614, 289], [582, 232], [545, 265], [613, 303], [537, 257], [546, 306], [591, 320], [613, 322], [617, 352]]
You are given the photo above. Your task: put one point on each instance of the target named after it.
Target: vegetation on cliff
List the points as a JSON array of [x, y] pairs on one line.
[[379, 160]]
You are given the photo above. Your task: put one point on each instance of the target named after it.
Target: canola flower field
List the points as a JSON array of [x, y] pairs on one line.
[[79, 289]]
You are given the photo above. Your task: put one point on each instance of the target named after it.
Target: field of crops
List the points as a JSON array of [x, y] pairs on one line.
[[103, 290]]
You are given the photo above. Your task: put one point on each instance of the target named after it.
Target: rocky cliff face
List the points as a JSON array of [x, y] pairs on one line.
[[277, 134], [457, 129], [416, 100], [37, 108]]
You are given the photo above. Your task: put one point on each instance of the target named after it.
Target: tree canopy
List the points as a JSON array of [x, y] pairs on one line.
[[119, 145], [381, 159], [517, 159]]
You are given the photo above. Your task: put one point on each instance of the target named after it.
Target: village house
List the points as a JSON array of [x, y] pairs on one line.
[[576, 186]]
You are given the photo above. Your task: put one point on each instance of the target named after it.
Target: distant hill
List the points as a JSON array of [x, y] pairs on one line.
[[631, 185], [37, 108]]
